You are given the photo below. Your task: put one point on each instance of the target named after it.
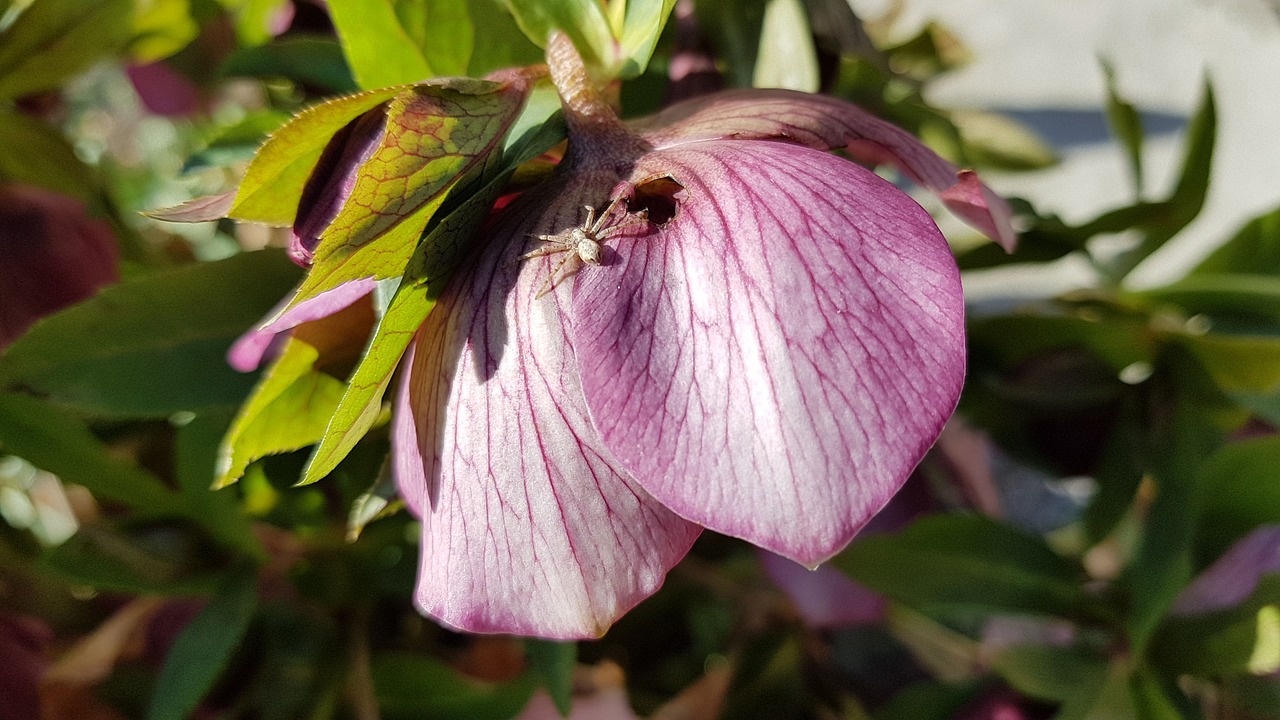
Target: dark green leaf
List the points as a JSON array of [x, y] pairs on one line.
[[1127, 126], [1106, 698], [1255, 248], [35, 153], [52, 40], [1240, 492], [1182, 206], [1243, 638], [1181, 438], [553, 663], [966, 563], [733, 27], [411, 687], [1157, 698], [1119, 473], [1049, 673], [154, 345], [312, 61], [162, 556], [927, 701], [58, 442], [1236, 296], [218, 511], [502, 44], [203, 649]]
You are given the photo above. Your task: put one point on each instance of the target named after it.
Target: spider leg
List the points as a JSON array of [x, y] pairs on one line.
[[593, 229], [552, 249], [552, 280], [591, 217]]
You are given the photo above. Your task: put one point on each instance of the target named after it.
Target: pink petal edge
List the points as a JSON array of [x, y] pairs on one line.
[[827, 123]]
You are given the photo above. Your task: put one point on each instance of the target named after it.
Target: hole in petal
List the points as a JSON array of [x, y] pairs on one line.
[[660, 197]]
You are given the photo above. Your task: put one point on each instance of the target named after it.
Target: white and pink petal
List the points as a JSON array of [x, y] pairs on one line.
[[774, 361], [529, 526]]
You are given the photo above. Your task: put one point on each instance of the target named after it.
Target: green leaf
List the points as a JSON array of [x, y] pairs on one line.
[[58, 442], [253, 18], [1119, 473], [161, 28], [734, 28], [1127, 126], [432, 262], [641, 27], [1245, 363], [311, 60], [966, 563], [1151, 697], [502, 44], [167, 557], [352, 411], [1000, 142], [1244, 638], [1240, 492], [1107, 698], [204, 648], [445, 34], [436, 134], [53, 40], [1049, 673], [582, 20], [1166, 219], [927, 701], [1182, 437], [1255, 248], [288, 410], [412, 686], [218, 512], [37, 154], [786, 58], [377, 44], [272, 186], [154, 345], [553, 663], [1226, 295]]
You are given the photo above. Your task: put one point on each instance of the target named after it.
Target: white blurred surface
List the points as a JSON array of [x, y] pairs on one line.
[[1043, 54]]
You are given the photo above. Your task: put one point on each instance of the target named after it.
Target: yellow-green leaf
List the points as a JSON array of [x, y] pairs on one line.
[[273, 183], [437, 133]]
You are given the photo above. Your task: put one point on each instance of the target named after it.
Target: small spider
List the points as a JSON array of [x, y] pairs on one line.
[[580, 243]]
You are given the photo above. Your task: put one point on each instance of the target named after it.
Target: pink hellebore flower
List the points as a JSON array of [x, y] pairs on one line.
[[771, 340]]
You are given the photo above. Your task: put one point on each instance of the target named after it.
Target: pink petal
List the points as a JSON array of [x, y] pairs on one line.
[[528, 526], [249, 349], [773, 362], [1234, 577], [826, 123]]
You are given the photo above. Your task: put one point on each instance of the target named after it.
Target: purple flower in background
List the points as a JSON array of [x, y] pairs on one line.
[[52, 254], [754, 336]]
